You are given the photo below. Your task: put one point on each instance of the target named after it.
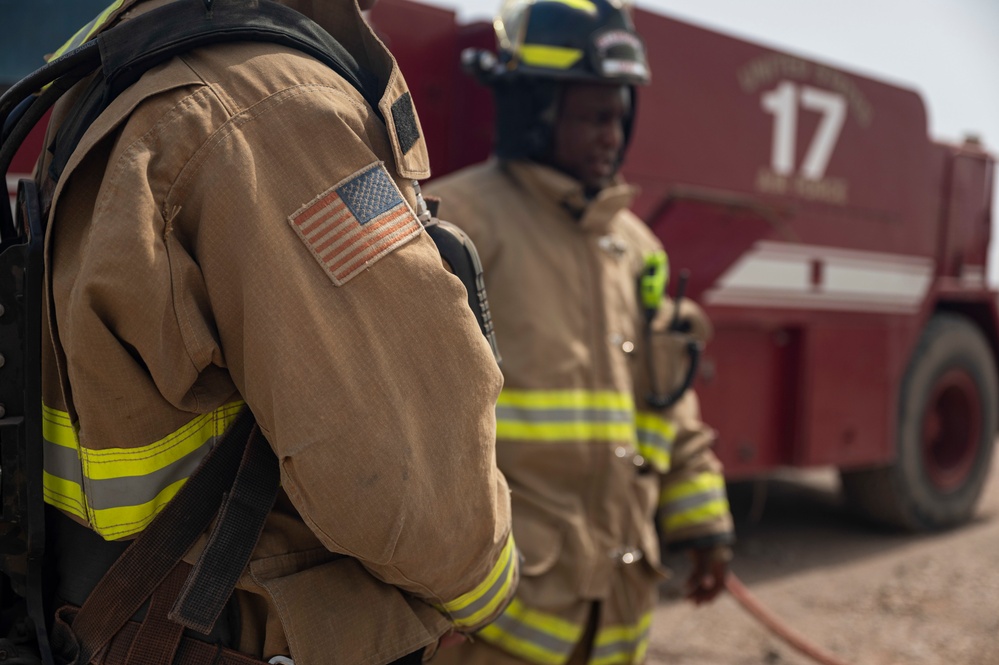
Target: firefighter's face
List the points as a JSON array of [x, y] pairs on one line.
[[589, 132]]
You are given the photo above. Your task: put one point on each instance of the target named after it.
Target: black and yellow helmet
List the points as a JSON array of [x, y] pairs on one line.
[[541, 44], [580, 40]]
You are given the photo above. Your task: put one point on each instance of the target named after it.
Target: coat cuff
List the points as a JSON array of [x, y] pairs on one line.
[[475, 609], [726, 539]]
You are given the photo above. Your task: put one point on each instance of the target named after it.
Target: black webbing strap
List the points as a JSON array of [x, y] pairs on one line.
[[156, 640], [242, 454], [231, 542], [132, 48]]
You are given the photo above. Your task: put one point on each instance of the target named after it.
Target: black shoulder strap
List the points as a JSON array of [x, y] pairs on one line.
[[130, 50], [123, 53]]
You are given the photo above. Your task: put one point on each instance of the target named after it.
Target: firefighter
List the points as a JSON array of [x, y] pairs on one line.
[[239, 230], [596, 455]]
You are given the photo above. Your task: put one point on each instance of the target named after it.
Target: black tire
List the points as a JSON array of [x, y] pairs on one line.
[[945, 436]]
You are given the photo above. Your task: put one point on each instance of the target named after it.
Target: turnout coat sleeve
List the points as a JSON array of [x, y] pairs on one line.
[[693, 508], [376, 393]]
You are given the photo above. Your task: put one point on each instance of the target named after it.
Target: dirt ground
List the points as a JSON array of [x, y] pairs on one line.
[[867, 596]]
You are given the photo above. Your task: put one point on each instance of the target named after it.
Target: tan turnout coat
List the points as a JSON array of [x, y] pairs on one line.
[[189, 272], [590, 465]]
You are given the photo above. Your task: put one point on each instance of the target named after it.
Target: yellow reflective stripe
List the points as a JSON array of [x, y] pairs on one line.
[[553, 57], [564, 415], [119, 491], [709, 512], [471, 608], [695, 501], [565, 399], [57, 428], [563, 431], [110, 463], [64, 494], [622, 633], [702, 482], [655, 439], [535, 636], [621, 645], [87, 31], [582, 5], [124, 521]]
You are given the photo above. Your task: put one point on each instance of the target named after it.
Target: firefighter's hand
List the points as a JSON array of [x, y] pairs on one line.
[[707, 579]]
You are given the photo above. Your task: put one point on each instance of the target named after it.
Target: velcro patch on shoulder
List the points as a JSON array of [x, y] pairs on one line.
[[355, 223]]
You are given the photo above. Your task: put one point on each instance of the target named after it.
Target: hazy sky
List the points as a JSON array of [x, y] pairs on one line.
[[947, 50]]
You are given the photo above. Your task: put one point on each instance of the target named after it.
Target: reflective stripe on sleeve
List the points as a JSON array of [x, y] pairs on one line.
[[621, 645], [473, 607], [694, 501], [535, 636], [120, 490], [552, 416], [62, 477], [655, 439]]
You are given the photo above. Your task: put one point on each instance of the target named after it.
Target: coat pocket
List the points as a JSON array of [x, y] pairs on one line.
[[337, 612], [539, 542]]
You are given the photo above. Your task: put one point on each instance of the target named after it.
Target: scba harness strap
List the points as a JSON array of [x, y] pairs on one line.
[[237, 481], [119, 56]]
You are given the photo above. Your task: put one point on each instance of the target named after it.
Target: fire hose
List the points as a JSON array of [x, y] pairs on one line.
[[773, 623]]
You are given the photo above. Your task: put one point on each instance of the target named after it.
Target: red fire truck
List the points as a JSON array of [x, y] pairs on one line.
[[840, 253]]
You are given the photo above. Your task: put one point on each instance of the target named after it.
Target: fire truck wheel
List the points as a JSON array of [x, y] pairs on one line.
[[946, 432]]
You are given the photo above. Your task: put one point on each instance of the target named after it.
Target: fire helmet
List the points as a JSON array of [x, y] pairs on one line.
[[544, 43]]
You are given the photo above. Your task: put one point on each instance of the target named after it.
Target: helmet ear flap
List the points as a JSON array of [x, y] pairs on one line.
[[629, 121], [526, 111]]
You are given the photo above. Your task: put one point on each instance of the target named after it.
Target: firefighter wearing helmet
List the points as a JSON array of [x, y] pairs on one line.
[[601, 443]]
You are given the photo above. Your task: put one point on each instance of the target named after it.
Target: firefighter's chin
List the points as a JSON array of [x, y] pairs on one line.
[[598, 174]]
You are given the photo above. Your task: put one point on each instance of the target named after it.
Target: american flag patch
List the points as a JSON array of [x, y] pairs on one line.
[[356, 222]]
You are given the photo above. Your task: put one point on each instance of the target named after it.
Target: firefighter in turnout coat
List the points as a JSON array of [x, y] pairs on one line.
[[239, 229], [598, 475]]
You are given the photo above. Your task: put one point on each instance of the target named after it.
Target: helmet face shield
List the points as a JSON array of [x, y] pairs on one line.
[[511, 23]]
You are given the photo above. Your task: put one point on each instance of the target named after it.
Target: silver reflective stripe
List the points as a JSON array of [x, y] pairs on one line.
[[694, 501], [498, 587], [564, 415], [651, 437], [137, 490], [62, 462], [510, 626], [623, 651]]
